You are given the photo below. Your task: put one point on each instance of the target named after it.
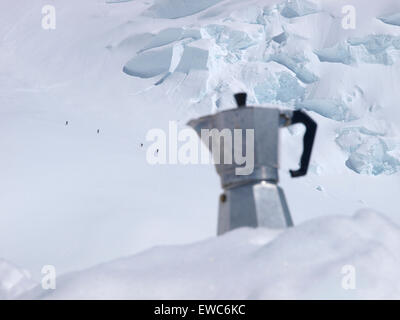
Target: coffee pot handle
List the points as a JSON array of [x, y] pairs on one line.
[[299, 116]]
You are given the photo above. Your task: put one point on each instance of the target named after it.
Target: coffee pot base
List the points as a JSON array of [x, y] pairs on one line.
[[261, 204]]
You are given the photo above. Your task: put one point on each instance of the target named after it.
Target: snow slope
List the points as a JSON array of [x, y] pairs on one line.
[[305, 262], [13, 280], [71, 197]]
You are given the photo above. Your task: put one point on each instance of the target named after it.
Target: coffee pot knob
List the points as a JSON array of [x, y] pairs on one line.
[[241, 99]]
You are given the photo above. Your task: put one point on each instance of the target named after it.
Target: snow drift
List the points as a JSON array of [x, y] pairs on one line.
[[305, 262], [13, 280]]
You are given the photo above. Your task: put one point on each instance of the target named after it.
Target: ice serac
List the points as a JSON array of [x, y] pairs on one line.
[[170, 35], [173, 9], [279, 87], [193, 59], [367, 152], [340, 53], [229, 38], [374, 49], [297, 65], [250, 14], [280, 38], [298, 8], [149, 64], [339, 109], [393, 19], [334, 109], [347, 106]]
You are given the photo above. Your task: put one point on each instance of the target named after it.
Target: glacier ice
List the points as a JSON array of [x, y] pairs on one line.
[[297, 65], [298, 8], [349, 139], [252, 14], [340, 53], [164, 37], [193, 59], [233, 48], [149, 64], [194, 34], [367, 153], [348, 107], [374, 44], [393, 19], [229, 38], [166, 61], [279, 87], [230, 46], [164, 54], [272, 22], [377, 49], [132, 42], [372, 158], [260, 35], [173, 9], [289, 88], [170, 35], [334, 109], [280, 38], [265, 92]]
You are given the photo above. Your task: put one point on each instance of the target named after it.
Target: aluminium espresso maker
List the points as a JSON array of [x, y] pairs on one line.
[[253, 199]]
